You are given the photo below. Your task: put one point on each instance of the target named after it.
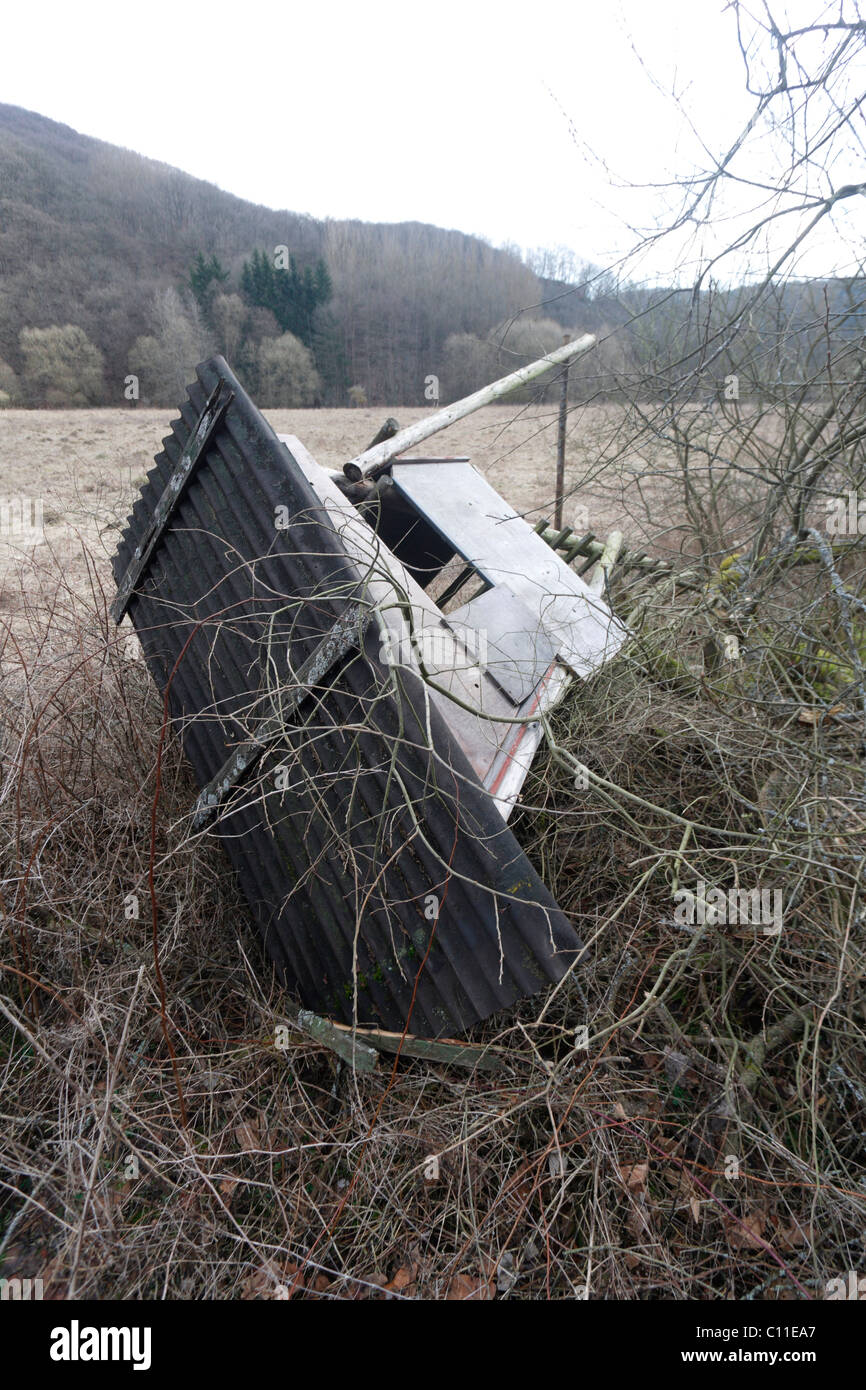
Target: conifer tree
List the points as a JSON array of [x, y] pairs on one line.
[[291, 294], [205, 278]]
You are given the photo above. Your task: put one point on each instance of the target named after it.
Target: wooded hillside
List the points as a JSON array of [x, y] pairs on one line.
[[118, 274], [105, 240]]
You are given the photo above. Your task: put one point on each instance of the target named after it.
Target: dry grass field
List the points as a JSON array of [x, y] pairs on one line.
[[85, 465], [706, 1143]]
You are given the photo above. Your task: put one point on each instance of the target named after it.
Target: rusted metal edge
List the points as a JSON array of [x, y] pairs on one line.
[[345, 635], [217, 404]]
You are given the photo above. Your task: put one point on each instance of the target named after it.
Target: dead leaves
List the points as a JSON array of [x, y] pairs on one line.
[[249, 1134], [463, 1289], [746, 1232], [403, 1281], [759, 1229], [634, 1175], [262, 1283], [812, 716], [227, 1189], [793, 1237], [290, 1280], [407, 1281]]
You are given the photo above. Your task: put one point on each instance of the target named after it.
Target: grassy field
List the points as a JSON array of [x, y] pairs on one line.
[[85, 465], [705, 1144]]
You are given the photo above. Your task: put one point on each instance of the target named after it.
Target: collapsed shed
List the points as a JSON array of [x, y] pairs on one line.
[[357, 662]]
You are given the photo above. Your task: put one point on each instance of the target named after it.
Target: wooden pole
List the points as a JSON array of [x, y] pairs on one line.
[[560, 445], [609, 556], [388, 430], [366, 463]]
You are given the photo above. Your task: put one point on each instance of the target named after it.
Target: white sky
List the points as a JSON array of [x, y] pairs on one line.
[[462, 113]]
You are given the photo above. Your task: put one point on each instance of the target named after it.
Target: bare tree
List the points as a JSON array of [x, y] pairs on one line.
[[165, 359], [287, 376], [61, 366]]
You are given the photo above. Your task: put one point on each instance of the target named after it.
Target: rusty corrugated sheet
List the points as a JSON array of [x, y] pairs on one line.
[[365, 820]]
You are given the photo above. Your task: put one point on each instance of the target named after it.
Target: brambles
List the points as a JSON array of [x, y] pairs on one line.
[[691, 1093]]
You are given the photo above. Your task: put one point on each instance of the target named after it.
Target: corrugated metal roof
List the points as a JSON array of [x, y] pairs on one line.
[[364, 818]]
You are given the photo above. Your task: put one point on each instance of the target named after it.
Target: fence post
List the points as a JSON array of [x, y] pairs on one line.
[[560, 443]]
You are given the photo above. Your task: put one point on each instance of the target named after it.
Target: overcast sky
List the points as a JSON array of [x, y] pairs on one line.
[[517, 122]]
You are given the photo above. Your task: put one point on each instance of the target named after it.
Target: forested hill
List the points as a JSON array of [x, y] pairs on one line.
[[118, 274], [103, 241]]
